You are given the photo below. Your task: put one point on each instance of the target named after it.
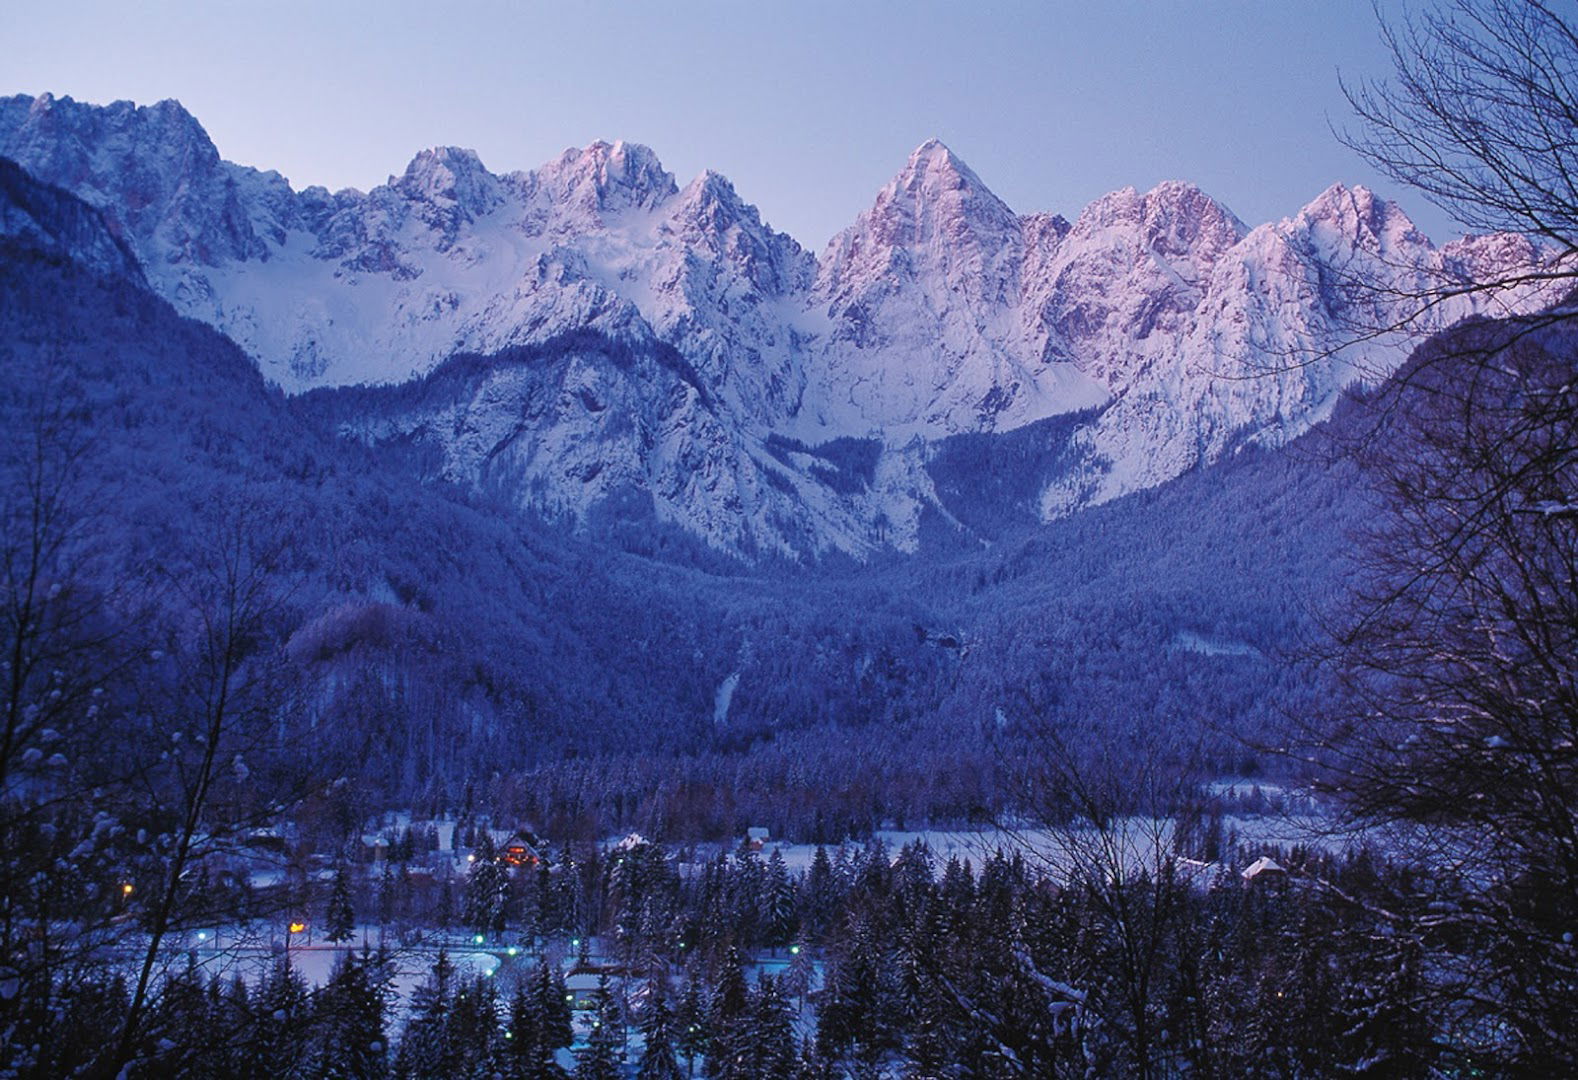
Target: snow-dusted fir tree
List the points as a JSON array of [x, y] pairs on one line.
[[340, 918], [601, 1058], [774, 1051], [658, 1061], [351, 1017], [426, 1045], [692, 1028]]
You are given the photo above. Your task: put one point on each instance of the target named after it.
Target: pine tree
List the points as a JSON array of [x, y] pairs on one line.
[[341, 918], [426, 1050], [474, 1029], [798, 979], [445, 915], [926, 972], [487, 888], [350, 1018], [772, 1032], [599, 1060], [779, 916], [179, 1026], [282, 1012], [386, 895], [237, 1020], [553, 1009], [729, 1056], [658, 1031], [523, 1037], [821, 893], [690, 1022], [855, 1016], [934, 1022]]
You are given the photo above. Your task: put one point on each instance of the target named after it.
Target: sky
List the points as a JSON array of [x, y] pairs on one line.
[[808, 107]]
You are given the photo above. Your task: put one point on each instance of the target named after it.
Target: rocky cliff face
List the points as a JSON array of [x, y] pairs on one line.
[[939, 312]]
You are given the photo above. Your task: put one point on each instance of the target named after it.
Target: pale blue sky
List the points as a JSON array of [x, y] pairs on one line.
[[808, 107]]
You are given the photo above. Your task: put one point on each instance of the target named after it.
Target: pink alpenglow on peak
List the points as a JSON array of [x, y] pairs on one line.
[[938, 311]]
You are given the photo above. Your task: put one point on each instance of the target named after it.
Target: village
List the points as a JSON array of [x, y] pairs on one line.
[[504, 909]]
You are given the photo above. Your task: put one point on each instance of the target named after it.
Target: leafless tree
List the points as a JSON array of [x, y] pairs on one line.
[[224, 698], [1481, 115], [1457, 724], [62, 642], [1109, 821]]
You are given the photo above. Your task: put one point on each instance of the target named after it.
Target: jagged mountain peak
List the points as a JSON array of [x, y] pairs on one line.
[[450, 175], [1174, 214], [155, 173], [609, 176], [1185, 213], [934, 155], [1362, 217], [712, 189], [444, 164], [69, 125], [935, 216], [935, 188]]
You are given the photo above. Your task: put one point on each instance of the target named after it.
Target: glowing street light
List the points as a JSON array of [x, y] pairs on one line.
[[127, 889], [297, 927]]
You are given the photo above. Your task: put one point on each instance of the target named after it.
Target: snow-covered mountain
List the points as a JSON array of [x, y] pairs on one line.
[[689, 357]]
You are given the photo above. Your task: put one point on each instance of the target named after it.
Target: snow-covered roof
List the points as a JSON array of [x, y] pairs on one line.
[[1263, 865]]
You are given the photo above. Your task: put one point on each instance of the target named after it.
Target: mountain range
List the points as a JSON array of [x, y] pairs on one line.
[[661, 351], [590, 339]]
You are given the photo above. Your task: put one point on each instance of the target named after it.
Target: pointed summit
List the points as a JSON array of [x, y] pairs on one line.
[[450, 174], [710, 204], [935, 199], [1361, 218], [933, 153], [933, 165], [608, 176]]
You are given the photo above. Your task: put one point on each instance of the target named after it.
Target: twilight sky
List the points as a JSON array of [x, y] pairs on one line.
[[809, 107]]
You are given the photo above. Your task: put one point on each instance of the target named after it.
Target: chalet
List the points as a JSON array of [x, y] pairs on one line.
[[581, 988], [584, 978], [1264, 869], [756, 837], [521, 849]]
